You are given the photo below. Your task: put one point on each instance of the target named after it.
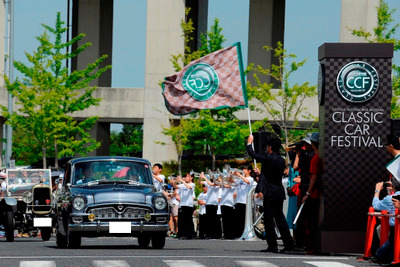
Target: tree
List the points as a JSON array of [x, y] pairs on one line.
[[48, 96], [219, 134], [384, 33], [180, 136], [128, 142], [285, 104]]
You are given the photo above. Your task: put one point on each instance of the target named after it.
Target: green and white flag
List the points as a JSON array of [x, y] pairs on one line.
[[212, 82]]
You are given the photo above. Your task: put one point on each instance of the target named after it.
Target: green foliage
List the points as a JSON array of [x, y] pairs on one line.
[[384, 33], [128, 142], [48, 96], [283, 105]]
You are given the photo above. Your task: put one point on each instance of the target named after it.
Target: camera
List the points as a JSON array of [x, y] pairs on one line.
[[297, 146], [386, 185], [396, 197]]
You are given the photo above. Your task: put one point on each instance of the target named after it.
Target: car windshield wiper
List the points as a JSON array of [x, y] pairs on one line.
[[95, 182], [134, 182], [113, 181]]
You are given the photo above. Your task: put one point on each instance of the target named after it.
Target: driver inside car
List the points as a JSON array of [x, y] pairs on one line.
[[87, 172]]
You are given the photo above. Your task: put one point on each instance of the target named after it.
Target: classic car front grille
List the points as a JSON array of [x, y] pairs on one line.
[[114, 213], [41, 203]]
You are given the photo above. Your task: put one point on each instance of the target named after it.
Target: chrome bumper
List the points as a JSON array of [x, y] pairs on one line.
[[99, 227]]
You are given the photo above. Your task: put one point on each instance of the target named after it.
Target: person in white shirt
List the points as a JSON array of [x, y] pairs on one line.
[[3, 187], [158, 178], [243, 186], [213, 188], [201, 200], [186, 190], [174, 209], [227, 202]]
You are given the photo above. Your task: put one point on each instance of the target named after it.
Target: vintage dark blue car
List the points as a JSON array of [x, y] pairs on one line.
[[110, 196]]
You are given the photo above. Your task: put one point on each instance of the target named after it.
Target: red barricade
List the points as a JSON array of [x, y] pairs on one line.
[[385, 227], [370, 233], [396, 239]]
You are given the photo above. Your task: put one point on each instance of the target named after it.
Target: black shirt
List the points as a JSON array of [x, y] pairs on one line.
[[272, 167]]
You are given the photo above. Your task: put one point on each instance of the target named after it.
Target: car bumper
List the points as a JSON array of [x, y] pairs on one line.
[[105, 227]]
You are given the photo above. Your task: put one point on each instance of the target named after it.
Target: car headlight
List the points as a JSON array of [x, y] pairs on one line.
[[78, 203], [27, 197], [160, 203]]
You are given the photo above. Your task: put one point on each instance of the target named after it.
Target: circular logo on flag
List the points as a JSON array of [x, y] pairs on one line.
[[357, 82], [200, 81]]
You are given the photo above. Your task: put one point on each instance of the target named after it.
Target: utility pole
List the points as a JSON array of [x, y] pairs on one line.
[[9, 70]]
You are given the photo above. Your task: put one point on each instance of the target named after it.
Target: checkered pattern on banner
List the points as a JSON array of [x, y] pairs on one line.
[[350, 173], [229, 93]]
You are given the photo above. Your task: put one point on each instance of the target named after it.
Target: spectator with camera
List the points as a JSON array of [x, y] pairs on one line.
[[385, 253]]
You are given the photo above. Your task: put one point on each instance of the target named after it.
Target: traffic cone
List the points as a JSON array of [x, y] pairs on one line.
[[370, 233], [385, 228], [396, 239]]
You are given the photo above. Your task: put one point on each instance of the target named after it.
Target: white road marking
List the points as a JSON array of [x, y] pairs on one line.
[[37, 264], [182, 263], [176, 256], [110, 264], [328, 264]]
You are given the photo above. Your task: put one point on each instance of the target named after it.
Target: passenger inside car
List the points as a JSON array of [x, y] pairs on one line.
[[132, 175]]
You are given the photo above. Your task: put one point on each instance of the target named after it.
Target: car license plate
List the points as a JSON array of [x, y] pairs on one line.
[[119, 227], [41, 222]]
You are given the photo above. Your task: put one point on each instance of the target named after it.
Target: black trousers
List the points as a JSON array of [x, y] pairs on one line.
[[228, 222], [202, 225], [308, 223], [273, 211], [212, 229], [185, 222], [240, 214]]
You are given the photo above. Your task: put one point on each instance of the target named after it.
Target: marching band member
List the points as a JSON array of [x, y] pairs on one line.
[[213, 189], [243, 187], [226, 200], [202, 212], [174, 205], [186, 208]]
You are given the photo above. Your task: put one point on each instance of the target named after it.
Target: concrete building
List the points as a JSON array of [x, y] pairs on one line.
[[163, 38]]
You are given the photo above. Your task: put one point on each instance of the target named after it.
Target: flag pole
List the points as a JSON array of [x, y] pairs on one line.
[[251, 133]]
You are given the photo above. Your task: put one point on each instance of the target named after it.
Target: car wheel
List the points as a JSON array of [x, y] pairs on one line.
[[46, 233], [9, 226], [144, 240], [74, 240], [61, 240], [158, 240]]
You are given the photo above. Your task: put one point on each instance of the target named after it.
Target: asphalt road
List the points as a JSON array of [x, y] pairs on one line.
[[123, 252]]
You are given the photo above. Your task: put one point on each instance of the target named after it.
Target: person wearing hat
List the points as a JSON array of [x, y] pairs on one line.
[[272, 168], [302, 163], [312, 195]]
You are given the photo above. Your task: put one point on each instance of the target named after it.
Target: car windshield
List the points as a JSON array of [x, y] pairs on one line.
[[24, 178], [94, 172]]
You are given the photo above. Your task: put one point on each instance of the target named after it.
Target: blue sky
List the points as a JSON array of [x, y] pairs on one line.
[[308, 24]]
